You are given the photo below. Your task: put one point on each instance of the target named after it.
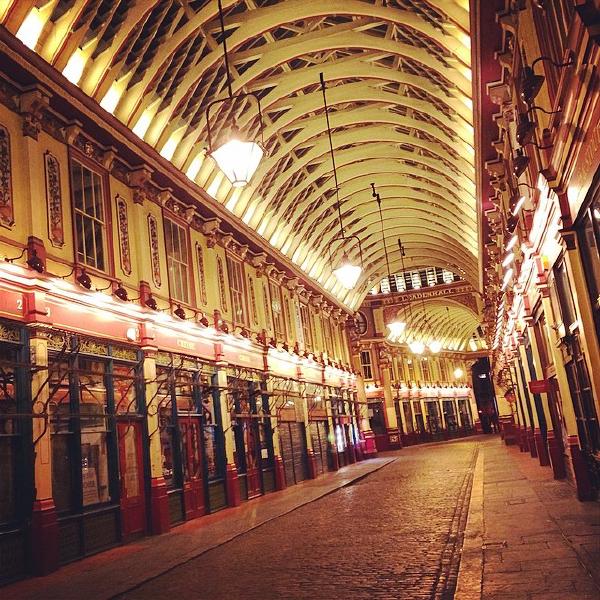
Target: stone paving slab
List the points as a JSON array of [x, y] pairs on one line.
[[537, 542], [110, 573]]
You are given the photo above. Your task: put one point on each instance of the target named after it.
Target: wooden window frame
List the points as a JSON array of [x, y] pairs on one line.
[[277, 319], [109, 263], [237, 295], [368, 364], [190, 301]]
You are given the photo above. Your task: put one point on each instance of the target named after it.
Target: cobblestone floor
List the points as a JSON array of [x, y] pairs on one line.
[[394, 534]]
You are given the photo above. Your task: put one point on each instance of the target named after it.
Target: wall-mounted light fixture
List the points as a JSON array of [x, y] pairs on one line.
[[530, 84]]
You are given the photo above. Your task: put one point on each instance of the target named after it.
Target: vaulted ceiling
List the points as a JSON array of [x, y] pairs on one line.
[[399, 87]]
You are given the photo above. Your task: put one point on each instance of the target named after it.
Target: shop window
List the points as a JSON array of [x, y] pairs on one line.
[[177, 261], [188, 426], [79, 434], [589, 239], [89, 216], [365, 364], [377, 418], [9, 435], [235, 273], [565, 297], [408, 417]]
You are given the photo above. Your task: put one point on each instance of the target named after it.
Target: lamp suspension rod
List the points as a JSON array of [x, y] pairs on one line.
[[335, 179], [409, 303], [222, 22], [387, 260]]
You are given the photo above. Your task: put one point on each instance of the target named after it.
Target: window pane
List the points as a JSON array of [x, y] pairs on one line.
[[177, 267], [8, 436], [94, 453]]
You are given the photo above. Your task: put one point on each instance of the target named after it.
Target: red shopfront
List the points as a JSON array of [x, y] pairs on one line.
[[99, 458], [191, 438], [344, 428], [288, 398], [318, 427], [248, 405]]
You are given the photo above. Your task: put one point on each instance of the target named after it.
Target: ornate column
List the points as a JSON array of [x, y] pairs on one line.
[[533, 417], [44, 523], [540, 443], [393, 433], [232, 485], [159, 502]]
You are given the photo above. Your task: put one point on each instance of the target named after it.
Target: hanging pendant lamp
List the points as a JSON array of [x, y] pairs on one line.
[[237, 157], [346, 272]]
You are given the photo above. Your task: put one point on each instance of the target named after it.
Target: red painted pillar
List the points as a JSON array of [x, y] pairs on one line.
[[394, 439], [279, 474], [312, 464], [540, 448], [370, 448], [531, 443], [557, 458], [585, 489], [44, 537], [159, 506], [232, 485], [335, 460]]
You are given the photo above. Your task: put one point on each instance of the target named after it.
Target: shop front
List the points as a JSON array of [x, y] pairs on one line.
[[287, 395], [344, 430], [318, 426], [190, 437], [98, 464], [16, 469], [450, 417], [248, 405]]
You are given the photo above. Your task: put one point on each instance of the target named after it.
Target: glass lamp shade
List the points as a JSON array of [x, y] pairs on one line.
[[396, 329], [435, 346], [347, 273], [416, 347], [238, 160], [458, 373]]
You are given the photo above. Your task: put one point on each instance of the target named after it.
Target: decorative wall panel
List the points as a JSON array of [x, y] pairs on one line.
[[221, 275], [56, 228], [123, 230], [7, 217], [201, 274], [154, 253]]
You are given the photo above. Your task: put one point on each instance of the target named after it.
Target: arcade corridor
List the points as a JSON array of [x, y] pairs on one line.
[[396, 533], [299, 299]]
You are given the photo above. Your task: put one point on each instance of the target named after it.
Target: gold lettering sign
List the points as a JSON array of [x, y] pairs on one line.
[[185, 344]]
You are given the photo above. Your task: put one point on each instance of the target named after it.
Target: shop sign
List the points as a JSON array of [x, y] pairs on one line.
[[11, 303], [181, 343], [249, 359], [312, 373], [84, 319], [281, 365], [538, 386]]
